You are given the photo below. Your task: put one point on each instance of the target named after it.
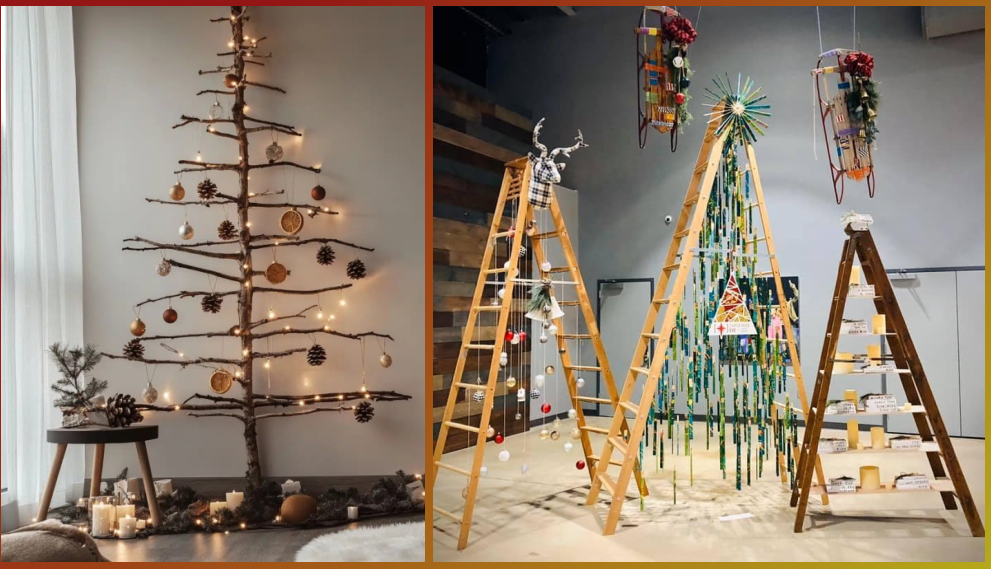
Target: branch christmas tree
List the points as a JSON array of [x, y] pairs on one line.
[[236, 244]]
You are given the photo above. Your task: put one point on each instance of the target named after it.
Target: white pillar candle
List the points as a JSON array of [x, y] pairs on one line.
[[352, 512], [216, 507], [125, 511], [142, 524], [854, 275], [103, 519], [234, 500], [128, 528]]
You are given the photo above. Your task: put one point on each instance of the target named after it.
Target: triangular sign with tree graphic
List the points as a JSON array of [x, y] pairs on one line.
[[732, 317]]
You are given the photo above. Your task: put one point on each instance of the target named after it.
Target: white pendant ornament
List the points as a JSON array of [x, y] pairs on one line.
[[511, 382], [216, 111], [515, 340], [552, 329], [519, 416], [524, 469], [546, 266], [163, 268], [543, 338], [385, 360], [505, 265], [539, 380], [501, 293], [568, 446], [186, 231], [572, 413], [483, 470], [678, 62], [580, 382], [150, 394], [503, 456], [273, 152], [490, 432], [504, 359], [521, 395]]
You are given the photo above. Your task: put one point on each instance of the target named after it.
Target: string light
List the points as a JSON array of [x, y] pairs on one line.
[[244, 525], [182, 355], [237, 331], [320, 315], [167, 395], [247, 224], [245, 107], [340, 397], [326, 328], [245, 352], [177, 407], [287, 328], [271, 313], [268, 364], [199, 522], [237, 373], [199, 157], [317, 398], [302, 403], [247, 284], [230, 43]]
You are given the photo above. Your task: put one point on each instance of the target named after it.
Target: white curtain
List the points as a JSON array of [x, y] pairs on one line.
[[42, 254]]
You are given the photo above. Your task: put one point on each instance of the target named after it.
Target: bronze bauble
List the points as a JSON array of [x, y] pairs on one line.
[[318, 192], [298, 508], [231, 80], [138, 327], [170, 315], [177, 192]]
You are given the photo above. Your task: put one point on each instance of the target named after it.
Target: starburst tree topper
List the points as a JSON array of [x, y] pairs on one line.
[[739, 110]]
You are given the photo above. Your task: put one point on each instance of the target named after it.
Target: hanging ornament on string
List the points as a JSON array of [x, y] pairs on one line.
[[273, 152], [531, 228], [364, 412], [211, 302], [206, 190], [291, 221], [385, 360], [134, 350], [499, 439], [150, 394], [318, 192], [325, 255], [276, 272], [226, 230], [221, 381], [216, 110], [170, 315], [316, 355], [511, 382], [503, 359], [138, 326], [231, 80], [177, 192], [504, 456], [164, 267], [356, 270]]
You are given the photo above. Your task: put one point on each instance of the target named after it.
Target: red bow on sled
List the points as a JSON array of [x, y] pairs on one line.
[[680, 31], [859, 63]]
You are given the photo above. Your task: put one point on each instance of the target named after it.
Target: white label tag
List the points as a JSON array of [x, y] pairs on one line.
[[841, 486], [880, 368], [861, 291], [911, 443], [880, 403], [831, 446], [915, 482], [841, 408], [857, 327]]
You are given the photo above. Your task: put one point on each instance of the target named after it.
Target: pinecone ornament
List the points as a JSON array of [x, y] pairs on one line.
[[356, 270], [316, 356], [211, 303], [121, 412], [226, 231], [206, 189], [134, 349], [364, 412], [325, 255]]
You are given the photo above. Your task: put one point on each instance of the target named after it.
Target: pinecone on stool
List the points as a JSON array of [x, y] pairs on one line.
[[206, 189], [325, 256], [356, 270], [134, 349], [226, 231], [211, 303], [364, 412], [121, 412], [316, 356]]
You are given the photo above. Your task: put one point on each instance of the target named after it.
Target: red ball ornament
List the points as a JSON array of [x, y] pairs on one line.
[[546, 408], [522, 336], [679, 98], [499, 438], [509, 335], [580, 465]]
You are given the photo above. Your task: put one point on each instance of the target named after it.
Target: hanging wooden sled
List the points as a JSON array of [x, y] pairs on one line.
[[663, 102], [852, 112]]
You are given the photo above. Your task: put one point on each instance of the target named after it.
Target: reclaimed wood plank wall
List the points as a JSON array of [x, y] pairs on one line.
[[473, 136]]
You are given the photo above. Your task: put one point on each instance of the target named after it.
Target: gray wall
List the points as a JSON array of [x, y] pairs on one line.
[[929, 210], [356, 89]]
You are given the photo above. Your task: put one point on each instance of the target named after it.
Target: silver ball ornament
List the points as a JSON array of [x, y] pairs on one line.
[[545, 266], [385, 360], [580, 382], [163, 268], [572, 413], [186, 231], [150, 394]]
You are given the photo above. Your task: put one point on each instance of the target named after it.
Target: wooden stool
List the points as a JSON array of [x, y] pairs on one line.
[[102, 436]]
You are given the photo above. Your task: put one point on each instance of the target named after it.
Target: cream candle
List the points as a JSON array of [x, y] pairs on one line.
[[874, 354], [142, 524], [879, 324], [855, 275], [877, 438], [125, 511], [352, 512], [216, 507], [128, 527], [234, 500], [870, 478], [103, 519]]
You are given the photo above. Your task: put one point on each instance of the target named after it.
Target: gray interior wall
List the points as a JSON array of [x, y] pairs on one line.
[[359, 101], [579, 72]]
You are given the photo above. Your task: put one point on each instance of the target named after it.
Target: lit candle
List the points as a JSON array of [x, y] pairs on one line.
[[128, 528], [125, 511], [216, 507], [142, 524], [352, 512], [234, 500], [103, 519]]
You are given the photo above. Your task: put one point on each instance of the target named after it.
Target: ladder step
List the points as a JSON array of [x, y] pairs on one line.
[[594, 458], [630, 406], [764, 274], [471, 386], [652, 336], [681, 234], [641, 370], [575, 336], [608, 484], [662, 301], [558, 270], [503, 234], [692, 200], [548, 235], [489, 308], [452, 468], [700, 167], [461, 426], [586, 368], [495, 271], [480, 347], [618, 444], [568, 303], [447, 514], [597, 430], [670, 268], [594, 400]]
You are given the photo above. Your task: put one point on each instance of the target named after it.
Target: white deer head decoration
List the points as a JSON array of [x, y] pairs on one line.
[[545, 171]]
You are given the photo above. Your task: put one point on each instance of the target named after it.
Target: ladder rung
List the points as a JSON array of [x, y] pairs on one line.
[[452, 468], [503, 234], [568, 303], [597, 430], [594, 400], [662, 301], [461, 426], [652, 336], [471, 385], [558, 270], [586, 368], [480, 347], [447, 514], [700, 167], [594, 458], [670, 268], [641, 370], [548, 235], [681, 234], [764, 274], [487, 308], [495, 271], [608, 484], [758, 239], [630, 406], [692, 200], [618, 444], [575, 336]]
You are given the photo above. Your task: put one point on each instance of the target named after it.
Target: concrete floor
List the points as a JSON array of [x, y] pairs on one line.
[[541, 516], [249, 546]]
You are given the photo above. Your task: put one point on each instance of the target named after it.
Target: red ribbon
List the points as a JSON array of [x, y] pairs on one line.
[[859, 63], [680, 30]]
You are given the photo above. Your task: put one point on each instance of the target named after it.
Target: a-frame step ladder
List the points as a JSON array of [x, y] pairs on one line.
[[678, 263], [516, 180], [860, 245]]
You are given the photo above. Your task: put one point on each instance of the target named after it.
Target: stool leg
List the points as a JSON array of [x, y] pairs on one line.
[[46, 500], [94, 485], [156, 515]]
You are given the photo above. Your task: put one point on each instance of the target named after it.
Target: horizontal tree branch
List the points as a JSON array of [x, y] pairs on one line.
[[226, 333], [188, 119], [185, 294], [283, 163], [302, 292], [219, 69], [275, 355], [207, 204], [212, 166], [215, 92], [301, 413], [311, 210], [217, 274], [183, 363], [300, 314], [320, 331], [215, 132], [241, 418], [313, 240], [260, 121], [275, 128], [330, 397], [159, 246], [263, 86]]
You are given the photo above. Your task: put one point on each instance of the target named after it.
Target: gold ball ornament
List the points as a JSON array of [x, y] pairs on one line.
[[291, 222], [385, 360], [544, 434], [549, 370], [511, 382], [276, 273], [138, 327], [220, 381], [576, 434], [297, 509], [170, 315], [177, 192]]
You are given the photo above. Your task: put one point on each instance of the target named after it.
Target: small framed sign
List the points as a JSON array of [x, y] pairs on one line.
[[832, 446], [842, 485], [861, 291], [882, 403]]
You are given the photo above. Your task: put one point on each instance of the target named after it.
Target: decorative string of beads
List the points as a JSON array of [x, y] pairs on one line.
[[226, 230], [206, 189], [326, 255], [316, 355], [356, 270], [134, 350], [364, 412], [211, 303]]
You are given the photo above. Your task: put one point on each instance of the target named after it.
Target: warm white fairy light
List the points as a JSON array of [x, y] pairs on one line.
[[237, 331], [177, 407], [245, 352], [247, 224], [247, 284], [302, 403], [326, 209], [363, 388], [311, 212], [271, 314], [199, 157], [167, 396], [268, 364], [182, 355], [246, 107], [326, 328], [320, 314], [340, 397], [230, 43], [316, 398], [246, 266], [237, 373], [287, 328], [367, 396], [199, 522]]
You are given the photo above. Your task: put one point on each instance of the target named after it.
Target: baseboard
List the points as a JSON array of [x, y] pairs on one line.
[[219, 486]]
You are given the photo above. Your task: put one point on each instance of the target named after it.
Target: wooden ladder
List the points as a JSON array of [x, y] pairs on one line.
[[516, 180], [686, 232], [860, 245]]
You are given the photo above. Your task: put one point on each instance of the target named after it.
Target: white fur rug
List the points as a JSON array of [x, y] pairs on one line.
[[399, 542]]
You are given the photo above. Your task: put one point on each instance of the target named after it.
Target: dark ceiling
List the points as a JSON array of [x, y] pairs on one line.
[[462, 34]]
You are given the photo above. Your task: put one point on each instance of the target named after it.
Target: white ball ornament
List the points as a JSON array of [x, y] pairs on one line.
[[483, 470], [543, 338], [490, 432], [186, 231], [552, 328], [580, 382], [538, 380], [501, 293], [505, 265], [503, 456], [515, 340], [568, 446], [572, 413], [545, 266]]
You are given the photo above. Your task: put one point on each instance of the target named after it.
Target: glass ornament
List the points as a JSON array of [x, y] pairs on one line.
[[544, 434], [273, 152], [503, 456], [572, 413], [576, 434], [539, 380], [568, 446], [511, 382], [490, 432], [555, 435]]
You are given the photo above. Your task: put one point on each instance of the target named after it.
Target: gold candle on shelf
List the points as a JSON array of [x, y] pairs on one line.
[[879, 324], [851, 396], [870, 478], [852, 434], [843, 363], [877, 438], [855, 275], [874, 354]]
